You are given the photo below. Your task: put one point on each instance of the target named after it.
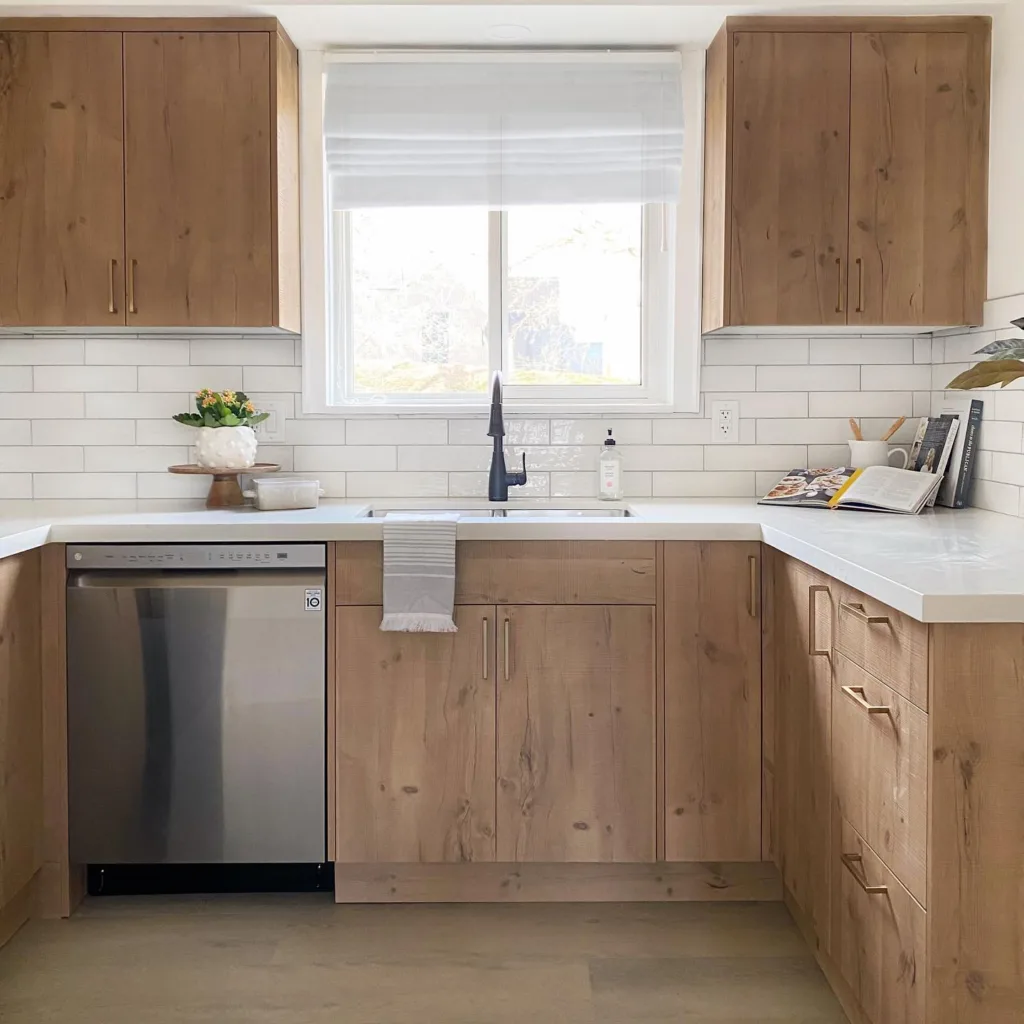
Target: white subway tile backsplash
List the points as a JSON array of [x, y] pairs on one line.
[[242, 352], [758, 456], [320, 432], [409, 431], [26, 406], [15, 432], [922, 350], [397, 485], [662, 457], [863, 351], [474, 431], [27, 459], [161, 432], [474, 485], [594, 431], [703, 485], [996, 497], [85, 432], [271, 378], [446, 458], [732, 378], [1008, 468], [139, 406], [861, 403], [83, 378], [808, 378], [83, 485], [39, 351], [762, 351], [144, 351], [342, 458], [15, 486], [1001, 435], [896, 378], [803, 431], [192, 378], [826, 456], [763, 405], [133, 458]]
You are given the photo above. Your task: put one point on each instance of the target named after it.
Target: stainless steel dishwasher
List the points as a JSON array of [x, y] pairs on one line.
[[196, 703]]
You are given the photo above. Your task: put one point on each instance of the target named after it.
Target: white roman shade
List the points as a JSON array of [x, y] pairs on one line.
[[500, 129]]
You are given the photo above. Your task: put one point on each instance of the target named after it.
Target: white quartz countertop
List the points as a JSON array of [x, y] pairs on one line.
[[942, 566]]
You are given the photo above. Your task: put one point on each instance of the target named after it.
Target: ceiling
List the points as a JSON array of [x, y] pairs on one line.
[[423, 23]]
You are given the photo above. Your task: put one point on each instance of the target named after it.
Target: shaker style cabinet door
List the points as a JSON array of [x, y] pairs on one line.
[[61, 180], [415, 740], [576, 733], [918, 168], [789, 178], [198, 179]]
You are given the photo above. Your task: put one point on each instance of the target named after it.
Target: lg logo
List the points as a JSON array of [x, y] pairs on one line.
[[314, 600]]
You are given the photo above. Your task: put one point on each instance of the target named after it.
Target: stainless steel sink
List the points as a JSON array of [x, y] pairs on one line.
[[513, 513]]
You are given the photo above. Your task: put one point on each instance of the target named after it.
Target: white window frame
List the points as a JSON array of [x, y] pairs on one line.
[[671, 261]]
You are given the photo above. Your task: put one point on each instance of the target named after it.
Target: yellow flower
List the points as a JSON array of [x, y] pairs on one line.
[[228, 396], [202, 392], [209, 400], [249, 407]]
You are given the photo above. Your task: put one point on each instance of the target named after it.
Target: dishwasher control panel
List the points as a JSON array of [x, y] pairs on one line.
[[196, 556]]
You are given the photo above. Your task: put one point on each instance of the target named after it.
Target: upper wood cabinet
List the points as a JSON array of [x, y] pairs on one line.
[[153, 177], [845, 172]]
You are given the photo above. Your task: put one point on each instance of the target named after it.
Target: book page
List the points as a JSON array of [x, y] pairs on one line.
[[889, 488]]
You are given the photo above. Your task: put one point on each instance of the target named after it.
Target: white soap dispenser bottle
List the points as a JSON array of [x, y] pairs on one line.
[[609, 487]]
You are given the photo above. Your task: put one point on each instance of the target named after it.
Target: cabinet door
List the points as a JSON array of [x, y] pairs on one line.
[[198, 179], [415, 740], [803, 743], [712, 701], [61, 180], [918, 158], [576, 741], [790, 171]]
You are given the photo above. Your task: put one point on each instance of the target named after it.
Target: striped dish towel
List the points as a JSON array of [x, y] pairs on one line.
[[419, 572]]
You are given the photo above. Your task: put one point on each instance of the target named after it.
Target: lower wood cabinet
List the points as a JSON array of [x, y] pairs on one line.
[[712, 701], [576, 733], [415, 740]]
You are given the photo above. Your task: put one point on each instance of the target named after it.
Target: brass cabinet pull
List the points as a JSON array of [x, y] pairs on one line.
[[856, 694], [753, 605], [812, 640], [508, 638], [860, 285], [131, 286], [839, 289], [486, 630], [857, 611], [849, 860], [111, 304]]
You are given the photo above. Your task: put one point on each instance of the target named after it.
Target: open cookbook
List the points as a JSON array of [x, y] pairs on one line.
[[875, 489]]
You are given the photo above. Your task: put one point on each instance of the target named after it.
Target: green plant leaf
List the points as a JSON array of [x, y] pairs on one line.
[[190, 419], [229, 419], [1008, 348], [983, 375], [257, 417], [210, 419]]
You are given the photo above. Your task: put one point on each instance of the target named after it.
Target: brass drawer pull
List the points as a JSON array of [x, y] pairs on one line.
[[812, 640], [486, 630], [111, 304], [131, 286], [860, 285], [753, 605], [857, 611], [856, 694], [849, 860], [839, 290], [508, 643]]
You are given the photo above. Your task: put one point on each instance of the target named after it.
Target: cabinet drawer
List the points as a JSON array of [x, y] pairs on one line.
[[880, 770], [878, 934], [519, 572], [890, 645]]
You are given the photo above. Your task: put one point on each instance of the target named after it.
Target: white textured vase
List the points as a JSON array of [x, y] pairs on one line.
[[226, 447]]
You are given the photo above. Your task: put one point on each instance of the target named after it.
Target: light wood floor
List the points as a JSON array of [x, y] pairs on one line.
[[303, 960]]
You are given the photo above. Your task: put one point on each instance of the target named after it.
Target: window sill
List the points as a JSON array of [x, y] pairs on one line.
[[512, 409]]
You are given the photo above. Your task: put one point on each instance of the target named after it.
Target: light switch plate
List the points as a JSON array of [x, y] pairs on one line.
[[725, 422], [273, 429]]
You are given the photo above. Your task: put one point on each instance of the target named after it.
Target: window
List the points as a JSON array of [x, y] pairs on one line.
[[464, 238]]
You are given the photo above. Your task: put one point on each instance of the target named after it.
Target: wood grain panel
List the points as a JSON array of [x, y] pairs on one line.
[[790, 171], [894, 651], [803, 744], [286, 250], [880, 773], [976, 869], [715, 312], [712, 701], [333, 667], [878, 939], [576, 734], [21, 724], [415, 749], [520, 572], [918, 153], [198, 188], [554, 883], [61, 180]]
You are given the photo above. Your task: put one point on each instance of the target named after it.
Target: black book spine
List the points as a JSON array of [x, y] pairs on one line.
[[966, 474]]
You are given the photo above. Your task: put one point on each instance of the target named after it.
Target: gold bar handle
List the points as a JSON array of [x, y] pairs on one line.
[[754, 602], [812, 639], [508, 644], [131, 286], [111, 304], [860, 285], [849, 860], [858, 612], [839, 289], [486, 631], [856, 694]]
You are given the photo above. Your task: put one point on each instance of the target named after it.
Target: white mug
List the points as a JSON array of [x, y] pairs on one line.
[[874, 453]]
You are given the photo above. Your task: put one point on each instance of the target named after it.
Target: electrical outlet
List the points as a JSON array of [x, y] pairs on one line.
[[725, 422], [272, 429]]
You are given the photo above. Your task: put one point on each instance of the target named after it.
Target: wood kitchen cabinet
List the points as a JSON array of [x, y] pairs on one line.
[[21, 739], [415, 740], [846, 172], [576, 733], [712, 701], [153, 175]]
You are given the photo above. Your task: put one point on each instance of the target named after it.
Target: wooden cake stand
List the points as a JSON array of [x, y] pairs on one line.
[[225, 491]]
